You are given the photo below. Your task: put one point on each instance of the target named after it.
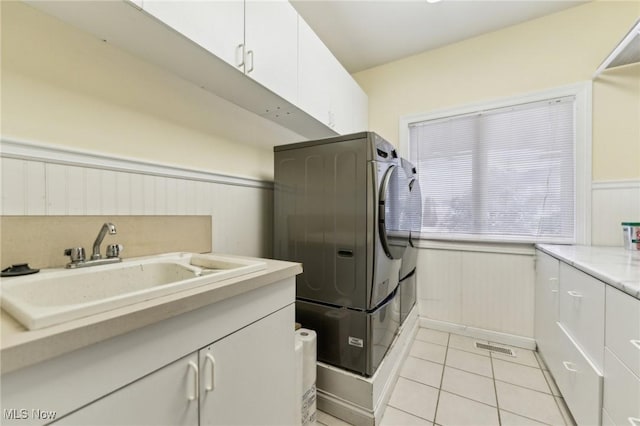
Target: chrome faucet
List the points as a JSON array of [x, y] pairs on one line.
[[113, 251], [107, 227]]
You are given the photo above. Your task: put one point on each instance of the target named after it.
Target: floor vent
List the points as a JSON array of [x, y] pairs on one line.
[[493, 348]]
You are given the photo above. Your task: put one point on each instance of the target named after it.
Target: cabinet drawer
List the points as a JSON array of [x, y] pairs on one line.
[[621, 392], [582, 311], [623, 328], [579, 381]]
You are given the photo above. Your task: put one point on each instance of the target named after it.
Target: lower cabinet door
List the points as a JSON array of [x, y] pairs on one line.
[[621, 391], [579, 381], [168, 396], [248, 378]]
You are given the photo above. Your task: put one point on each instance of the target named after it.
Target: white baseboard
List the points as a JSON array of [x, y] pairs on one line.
[[480, 333]]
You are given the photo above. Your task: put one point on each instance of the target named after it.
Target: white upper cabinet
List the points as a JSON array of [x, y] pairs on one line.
[[314, 76], [259, 38], [271, 46], [325, 89], [217, 26], [349, 103], [259, 55]]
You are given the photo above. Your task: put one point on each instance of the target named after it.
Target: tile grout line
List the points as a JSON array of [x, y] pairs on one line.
[[495, 389], [535, 390], [493, 378], [527, 388], [555, 398], [562, 414], [526, 417], [450, 366], [410, 414], [444, 365], [419, 383]]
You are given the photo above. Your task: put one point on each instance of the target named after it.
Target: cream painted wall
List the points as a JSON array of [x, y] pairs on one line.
[[552, 51], [454, 286], [63, 87]]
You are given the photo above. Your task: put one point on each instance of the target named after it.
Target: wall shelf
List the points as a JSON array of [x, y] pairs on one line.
[[625, 53]]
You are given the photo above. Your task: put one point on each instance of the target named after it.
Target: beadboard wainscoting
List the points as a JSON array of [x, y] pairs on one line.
[[44, 180], [486, 290], [613, 202], [481, 290]]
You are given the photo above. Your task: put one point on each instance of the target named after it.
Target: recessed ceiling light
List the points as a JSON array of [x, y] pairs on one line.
[[433, 1]]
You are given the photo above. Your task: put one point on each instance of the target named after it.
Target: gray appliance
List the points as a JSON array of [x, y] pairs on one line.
[[408, 269], [338, 207]]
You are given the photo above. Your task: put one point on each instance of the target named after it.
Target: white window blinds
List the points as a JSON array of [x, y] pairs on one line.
[[506, 174]]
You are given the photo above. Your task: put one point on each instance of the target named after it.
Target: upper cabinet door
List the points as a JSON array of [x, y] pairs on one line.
[[314, 74], [349, 103], [271, 43], [217, 26]]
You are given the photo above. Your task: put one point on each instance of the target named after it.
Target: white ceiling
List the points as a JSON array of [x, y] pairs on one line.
[[365, 33]]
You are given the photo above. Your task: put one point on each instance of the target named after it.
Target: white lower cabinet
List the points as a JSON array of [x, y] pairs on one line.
[[229, 362], [621, 392], [582, 311], [546, 303], [623, 328], [243, 379], [593, 352], [165, 397], [579, 381], [569, 330], [622, 358]]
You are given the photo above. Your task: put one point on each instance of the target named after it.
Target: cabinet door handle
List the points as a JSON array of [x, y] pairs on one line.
[[210, 383], [575, 294], [250, 54], [635, 343], [569, 366], [634, 421], [240, 50], [195, 389]]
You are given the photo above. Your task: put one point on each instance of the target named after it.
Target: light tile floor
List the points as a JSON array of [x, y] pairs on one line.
[[446, 380]]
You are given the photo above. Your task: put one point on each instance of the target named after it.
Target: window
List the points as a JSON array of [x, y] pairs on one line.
[[502, 172]]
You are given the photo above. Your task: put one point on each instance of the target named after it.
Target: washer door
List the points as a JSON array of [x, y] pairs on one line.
[[393, 221]]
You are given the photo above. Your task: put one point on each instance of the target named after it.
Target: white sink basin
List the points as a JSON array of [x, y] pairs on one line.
[[60, 295]]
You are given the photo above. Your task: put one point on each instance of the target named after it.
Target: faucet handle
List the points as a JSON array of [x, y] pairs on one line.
[[113, 250], [76, 253]]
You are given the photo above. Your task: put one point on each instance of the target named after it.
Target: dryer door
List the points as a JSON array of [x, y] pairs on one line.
[[393, 221]]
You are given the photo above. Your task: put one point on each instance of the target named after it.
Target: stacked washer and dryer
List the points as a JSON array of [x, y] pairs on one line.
[[345, 207]]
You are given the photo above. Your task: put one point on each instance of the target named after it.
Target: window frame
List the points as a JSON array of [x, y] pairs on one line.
[[582, 92]]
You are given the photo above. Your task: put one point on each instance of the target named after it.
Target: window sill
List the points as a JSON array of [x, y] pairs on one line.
[[525, 249]]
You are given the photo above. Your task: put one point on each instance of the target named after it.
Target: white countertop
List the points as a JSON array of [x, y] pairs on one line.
[[616, 266]]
